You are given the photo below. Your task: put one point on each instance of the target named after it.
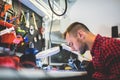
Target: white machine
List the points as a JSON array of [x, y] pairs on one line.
[[56, 49], [52, 51]]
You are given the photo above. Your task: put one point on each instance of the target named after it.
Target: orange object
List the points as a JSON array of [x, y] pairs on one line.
[[6, 8], [7, 61], [8, 38], [6, 24], [16, 59]]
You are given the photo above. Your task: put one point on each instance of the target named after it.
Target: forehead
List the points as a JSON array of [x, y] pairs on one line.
[[69, 37]]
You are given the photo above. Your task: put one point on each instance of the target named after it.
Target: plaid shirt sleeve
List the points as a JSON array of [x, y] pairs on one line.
[[110, 58]]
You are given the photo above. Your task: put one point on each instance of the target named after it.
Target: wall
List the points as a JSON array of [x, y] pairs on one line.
[[98, 15]]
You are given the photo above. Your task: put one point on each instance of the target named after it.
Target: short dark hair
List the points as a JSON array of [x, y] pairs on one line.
[[74, 27]]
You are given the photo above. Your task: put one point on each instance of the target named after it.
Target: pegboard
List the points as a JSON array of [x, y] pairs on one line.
[[29, 26]]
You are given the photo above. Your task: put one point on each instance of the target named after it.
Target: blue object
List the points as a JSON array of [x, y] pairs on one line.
[[39, 63], [26, 39], [31, 50]]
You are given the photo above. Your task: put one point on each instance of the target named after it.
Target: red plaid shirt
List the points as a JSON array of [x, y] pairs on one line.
[[106, 58]]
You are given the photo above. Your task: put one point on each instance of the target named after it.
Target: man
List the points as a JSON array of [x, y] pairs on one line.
[[105, 51]]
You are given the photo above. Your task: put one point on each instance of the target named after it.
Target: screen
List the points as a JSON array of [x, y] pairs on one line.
[[61, 57]]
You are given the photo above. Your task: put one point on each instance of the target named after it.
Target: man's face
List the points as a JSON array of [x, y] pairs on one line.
[[76, 43]]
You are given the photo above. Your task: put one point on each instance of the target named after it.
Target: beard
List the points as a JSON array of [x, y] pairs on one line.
[[83, 48]]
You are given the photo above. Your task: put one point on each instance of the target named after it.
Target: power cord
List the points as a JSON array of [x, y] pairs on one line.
[[55, 12]]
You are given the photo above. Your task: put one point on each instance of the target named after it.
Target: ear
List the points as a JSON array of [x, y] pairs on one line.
[[81, 34]]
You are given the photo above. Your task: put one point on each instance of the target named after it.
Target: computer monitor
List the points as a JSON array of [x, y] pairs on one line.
[[61, 57]]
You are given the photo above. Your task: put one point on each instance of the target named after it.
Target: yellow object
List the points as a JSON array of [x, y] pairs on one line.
[[68, 68]]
